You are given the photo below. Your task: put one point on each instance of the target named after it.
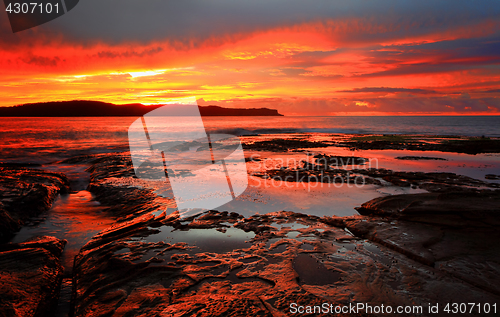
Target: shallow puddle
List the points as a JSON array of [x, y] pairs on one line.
[[475, 166], [75, 217], [313, 272], [205, 240]]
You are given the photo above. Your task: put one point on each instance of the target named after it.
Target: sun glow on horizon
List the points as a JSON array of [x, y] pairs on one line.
[[311, 68]]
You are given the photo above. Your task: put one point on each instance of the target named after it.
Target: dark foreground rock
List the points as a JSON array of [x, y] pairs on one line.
[[492, 176], [424, 143], [338, 161], [284, 258], [30, 277], [454, 232], [155, 263], [323, 169], [420, 158], [25, 193], [329, 169], [473, 208], [284, 145], [433, 181], [457, 144], [114, 185]]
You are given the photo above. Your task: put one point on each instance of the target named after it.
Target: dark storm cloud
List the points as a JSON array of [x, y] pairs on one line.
[[435, 67], [443, 56], [459, 48], [41, 60], [112, 54], [492, 91], [190, 22]]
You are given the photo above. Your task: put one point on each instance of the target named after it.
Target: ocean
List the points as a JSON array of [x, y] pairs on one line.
[[43, 140]]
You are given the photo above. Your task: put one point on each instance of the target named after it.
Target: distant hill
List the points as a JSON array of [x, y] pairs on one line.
[[85, 108], [220, 111]]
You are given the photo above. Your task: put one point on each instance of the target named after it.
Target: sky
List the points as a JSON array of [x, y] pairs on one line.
[[307, 57]]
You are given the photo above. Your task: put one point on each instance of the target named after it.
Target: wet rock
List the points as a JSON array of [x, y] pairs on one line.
[[313, 173], [420, 158], [117, 272], [421, 143], [26, 193], [30, 277], [8, 224], [153, 262], [123, 199], [453, 232], [51, 244], [284, 145], [83, 159], [398, 181], [112, 165], [433, 182], [336, 160], [324, 173], [11, 164], [492, 176], [453, 209], [253, 158]]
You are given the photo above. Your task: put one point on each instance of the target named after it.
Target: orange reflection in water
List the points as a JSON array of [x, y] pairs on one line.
[[75, 217]]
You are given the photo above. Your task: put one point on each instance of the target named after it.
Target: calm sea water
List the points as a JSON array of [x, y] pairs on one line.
[[48, 139]]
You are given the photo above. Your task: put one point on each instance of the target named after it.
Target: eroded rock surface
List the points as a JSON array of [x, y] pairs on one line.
[[349, 170], [284, 145], [492, 176], [30, 277], [420, 158], [323, 169], [153, 262], [455, 144], [424, 143], [114, 185], [433, 181], [25, 193], [288, 258], [454, 232]]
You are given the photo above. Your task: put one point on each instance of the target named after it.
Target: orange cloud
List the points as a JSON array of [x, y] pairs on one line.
[[293, 68]]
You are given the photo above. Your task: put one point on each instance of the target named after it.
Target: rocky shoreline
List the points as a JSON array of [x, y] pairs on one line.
[[31, 275], [26, 193], [439, 246], [458, 144]]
